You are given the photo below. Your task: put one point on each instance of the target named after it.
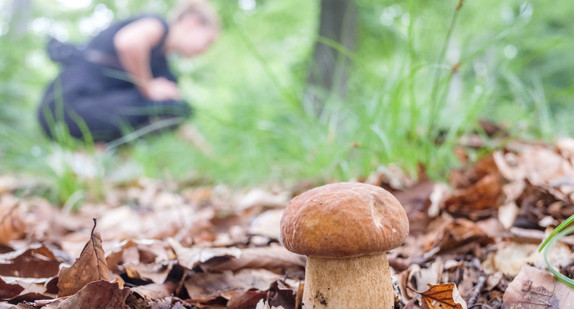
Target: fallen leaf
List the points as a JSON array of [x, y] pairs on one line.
[[444, 296], [191, 257], [476, 200], [38, 261], [510, 257], [266, 257], [98, 294], [90, 266], [507, 214], [247, 299], [260, 197], [458, 233], [536, 289], [267, 224], [416, 201], [282, 294], [153, 291], [14, 289], [203, 287], [9, 290], [11, 222]]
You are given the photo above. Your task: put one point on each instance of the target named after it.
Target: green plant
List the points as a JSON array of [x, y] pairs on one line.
[[560, 231]]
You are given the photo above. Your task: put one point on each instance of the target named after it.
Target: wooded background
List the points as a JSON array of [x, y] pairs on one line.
[[328, 89]]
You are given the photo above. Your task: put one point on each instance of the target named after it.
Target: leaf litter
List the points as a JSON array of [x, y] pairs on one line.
[[473, 241]]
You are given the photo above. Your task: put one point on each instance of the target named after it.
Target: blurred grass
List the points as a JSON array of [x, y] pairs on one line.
[[511, 64]]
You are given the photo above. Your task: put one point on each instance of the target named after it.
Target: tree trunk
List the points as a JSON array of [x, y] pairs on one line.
[[20, 17], [329, 68]]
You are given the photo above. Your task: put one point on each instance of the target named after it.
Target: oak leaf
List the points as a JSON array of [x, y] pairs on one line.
[[90, 266], [442, 296]]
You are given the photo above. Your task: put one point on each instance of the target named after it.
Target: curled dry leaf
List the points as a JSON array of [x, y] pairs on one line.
[[443, 296], [90, 266], [98, 294]]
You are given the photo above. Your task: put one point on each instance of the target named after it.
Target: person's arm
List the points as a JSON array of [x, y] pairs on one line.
[[133, 44]]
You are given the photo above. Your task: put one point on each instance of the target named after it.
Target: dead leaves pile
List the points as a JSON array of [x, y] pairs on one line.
[[186, 249], [165, 245]]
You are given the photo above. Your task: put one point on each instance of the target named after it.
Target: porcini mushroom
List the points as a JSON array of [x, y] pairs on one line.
[[345, 229]]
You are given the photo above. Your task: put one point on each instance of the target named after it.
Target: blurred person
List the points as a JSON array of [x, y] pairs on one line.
[[120, 80]]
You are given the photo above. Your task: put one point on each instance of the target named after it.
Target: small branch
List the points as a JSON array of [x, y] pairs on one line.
[[476, 292]]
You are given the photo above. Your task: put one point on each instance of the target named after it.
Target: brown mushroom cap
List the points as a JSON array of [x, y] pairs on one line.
[[344, 220]]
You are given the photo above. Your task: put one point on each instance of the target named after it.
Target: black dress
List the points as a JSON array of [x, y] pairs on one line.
[[95, 95]]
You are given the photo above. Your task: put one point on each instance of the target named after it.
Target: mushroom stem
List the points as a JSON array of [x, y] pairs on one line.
[[358, 282]]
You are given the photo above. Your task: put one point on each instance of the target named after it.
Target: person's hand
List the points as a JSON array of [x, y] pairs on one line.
[[160, 89]]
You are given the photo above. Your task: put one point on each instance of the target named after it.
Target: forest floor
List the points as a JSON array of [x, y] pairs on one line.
[[171, 245]]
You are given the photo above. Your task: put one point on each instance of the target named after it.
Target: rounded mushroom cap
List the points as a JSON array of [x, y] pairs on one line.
[[344, 220]]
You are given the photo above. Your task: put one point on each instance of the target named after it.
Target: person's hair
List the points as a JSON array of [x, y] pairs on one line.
[[203, 9]]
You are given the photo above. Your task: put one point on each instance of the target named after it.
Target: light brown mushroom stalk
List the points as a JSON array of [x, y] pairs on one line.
[[357, 282], [345, 229]]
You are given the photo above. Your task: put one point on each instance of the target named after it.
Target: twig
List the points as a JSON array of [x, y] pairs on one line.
[[476, 292]]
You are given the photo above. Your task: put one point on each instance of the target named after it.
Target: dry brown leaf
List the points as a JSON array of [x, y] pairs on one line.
[[484, 195], [260, 197], [416, 201], [458, 233], [191, 257], [9, 289], [445, 296], [11, 223], [267, 224], [247, 299], [537, 289], [153, 291], [90, 266], [16, 289], [203, 287], [510, 257], [98, 294], [266, 257], [38, 261], [479, 190]]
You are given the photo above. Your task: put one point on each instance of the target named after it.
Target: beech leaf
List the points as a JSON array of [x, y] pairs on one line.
[[443, 296], [90, 266]]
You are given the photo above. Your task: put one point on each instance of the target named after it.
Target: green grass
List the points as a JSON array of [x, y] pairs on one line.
[[561, 231], [248, 94]]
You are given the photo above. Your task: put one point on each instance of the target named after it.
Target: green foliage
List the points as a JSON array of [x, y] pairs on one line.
[[561, 231], [412, 91]]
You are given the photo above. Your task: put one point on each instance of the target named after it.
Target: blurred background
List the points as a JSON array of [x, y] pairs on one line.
[[303, 90]]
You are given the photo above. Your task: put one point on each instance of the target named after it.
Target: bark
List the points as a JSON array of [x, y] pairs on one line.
[[329, 68], [20, 17]]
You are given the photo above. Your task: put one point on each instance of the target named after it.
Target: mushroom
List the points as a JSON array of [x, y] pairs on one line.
[[345, 229]]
